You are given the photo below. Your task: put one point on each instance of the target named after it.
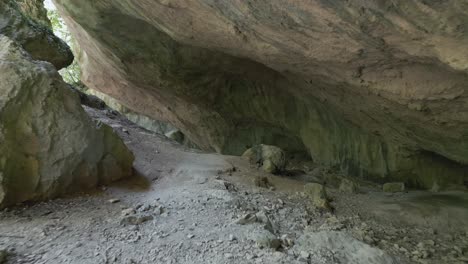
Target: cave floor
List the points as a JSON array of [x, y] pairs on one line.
[[182, 207]]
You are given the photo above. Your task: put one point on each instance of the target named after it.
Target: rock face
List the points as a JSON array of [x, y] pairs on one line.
[[378, 88], [36, 10], [144, 121], [49, 146], [26, 22]]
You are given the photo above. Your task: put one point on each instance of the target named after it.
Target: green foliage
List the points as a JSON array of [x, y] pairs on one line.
[[72, 73]]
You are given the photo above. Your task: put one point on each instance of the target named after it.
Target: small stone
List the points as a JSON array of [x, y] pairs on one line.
[[287, 241], [114, 201], [317, 195], [176, 135], [246, 219], [393, 187], [262, 182], [304, 255], [429, 242], [348, 186], [263, 218], [249, 257], [190, 236], [332, 223], [232, 237], [128, 211], [404, 250], [135, 219], [265, 239]]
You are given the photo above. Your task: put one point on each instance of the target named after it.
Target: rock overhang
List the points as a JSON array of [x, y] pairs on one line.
[[377, 88]]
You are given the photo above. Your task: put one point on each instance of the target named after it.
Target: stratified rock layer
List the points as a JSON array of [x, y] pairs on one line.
[[378, 88], [49, 146]]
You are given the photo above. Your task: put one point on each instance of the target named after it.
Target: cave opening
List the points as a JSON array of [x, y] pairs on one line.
[[233, 132]]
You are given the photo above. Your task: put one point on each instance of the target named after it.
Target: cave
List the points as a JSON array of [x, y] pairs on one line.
[[211, 131]]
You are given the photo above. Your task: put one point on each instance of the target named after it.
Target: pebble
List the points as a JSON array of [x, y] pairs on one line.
[[128, 211], [114, 201], [304, 254], [135, 219], [246, 219]]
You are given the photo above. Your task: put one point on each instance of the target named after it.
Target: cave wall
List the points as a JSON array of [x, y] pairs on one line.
[[377, 88]]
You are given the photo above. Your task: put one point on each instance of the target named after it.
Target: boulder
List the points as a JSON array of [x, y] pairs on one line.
[[49, 144], [376, 89], [348, 186], [317, 195], [262, 182], [26, 23], [271, 158]]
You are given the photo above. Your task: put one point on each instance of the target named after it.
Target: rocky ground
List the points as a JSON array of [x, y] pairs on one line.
[[185, 206]]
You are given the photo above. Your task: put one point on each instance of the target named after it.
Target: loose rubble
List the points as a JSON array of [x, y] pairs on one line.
[[171, 216]]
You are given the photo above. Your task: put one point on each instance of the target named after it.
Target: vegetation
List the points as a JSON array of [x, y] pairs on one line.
[[72, 73]]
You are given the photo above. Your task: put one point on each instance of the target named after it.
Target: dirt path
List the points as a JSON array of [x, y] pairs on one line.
[[185, 206]]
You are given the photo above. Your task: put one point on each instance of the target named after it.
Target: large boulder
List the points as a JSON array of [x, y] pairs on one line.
[[270, 158], [376, 88], [26, 22], [49, 146]]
